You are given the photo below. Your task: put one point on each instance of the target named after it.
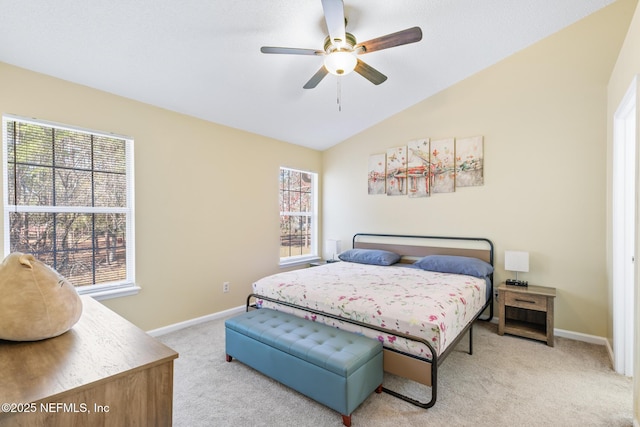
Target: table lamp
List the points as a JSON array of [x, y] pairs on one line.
[[517, 261], [333, 247]]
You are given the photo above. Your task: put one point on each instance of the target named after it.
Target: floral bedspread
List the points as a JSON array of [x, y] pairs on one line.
[[429, 305]]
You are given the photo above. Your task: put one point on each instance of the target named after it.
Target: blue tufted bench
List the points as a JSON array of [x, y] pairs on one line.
[[336, 368]]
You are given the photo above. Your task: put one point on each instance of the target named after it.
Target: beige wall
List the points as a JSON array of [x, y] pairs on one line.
[[626, 68], [206, 196], [542, 113]]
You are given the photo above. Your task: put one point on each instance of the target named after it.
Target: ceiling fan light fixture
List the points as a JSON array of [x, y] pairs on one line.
[[340, 62]]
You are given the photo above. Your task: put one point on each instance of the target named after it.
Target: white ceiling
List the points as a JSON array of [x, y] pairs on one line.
[[202, 57]]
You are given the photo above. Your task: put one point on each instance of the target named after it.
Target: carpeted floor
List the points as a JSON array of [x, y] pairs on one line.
[[507, 381]]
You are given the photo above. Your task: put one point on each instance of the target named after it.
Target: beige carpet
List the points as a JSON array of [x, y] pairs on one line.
[[508, 381]]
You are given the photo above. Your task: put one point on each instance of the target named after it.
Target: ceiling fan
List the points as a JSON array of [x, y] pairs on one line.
[[341, 48]]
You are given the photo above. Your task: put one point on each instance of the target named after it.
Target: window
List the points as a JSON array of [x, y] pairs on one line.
[[69, 202], [298, 216]]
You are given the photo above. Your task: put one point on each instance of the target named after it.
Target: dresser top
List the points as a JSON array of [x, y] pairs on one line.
[[100, 345]]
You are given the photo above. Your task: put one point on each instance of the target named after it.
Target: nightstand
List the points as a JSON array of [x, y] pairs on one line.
[[526, 311]]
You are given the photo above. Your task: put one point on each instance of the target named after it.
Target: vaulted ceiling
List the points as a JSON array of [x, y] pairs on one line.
[[202, 57]]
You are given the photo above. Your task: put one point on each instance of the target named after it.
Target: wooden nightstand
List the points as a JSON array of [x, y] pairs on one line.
[[526, 311]]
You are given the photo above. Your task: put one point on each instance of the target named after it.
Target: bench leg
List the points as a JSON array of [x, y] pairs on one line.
[[229, 358], [346, 419]]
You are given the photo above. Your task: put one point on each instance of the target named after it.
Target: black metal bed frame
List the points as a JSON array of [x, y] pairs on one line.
[[436, 359]]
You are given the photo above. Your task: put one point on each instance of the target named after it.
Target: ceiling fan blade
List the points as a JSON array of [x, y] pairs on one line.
[[410, 35], [290, 50], [370, 73], [317, 77], [334, 16]]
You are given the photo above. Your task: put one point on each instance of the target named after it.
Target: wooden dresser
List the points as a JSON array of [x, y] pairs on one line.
[[103, 372]]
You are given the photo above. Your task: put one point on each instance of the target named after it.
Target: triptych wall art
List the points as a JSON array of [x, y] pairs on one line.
[[424, 167]]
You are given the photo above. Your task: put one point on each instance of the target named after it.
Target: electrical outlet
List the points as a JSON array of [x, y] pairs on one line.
[[226, 286]]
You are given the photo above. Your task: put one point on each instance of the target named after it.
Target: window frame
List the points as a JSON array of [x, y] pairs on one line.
[[99, 291], [313, 216]]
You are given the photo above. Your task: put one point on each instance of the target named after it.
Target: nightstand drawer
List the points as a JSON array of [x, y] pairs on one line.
[[528, 301]]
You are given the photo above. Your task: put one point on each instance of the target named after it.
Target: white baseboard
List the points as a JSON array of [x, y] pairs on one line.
[[578, 336], [191, 322]]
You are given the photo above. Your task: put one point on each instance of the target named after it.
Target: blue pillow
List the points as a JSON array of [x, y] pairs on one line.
[[455, 264], [370, 256]]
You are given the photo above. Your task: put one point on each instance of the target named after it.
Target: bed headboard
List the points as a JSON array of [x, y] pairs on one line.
[[413, 247]]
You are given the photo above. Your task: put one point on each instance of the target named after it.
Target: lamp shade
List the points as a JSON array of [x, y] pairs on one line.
[[333, 246], [340, 63], [516, 261]]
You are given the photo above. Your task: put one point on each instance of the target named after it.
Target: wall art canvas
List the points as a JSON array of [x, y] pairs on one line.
[[443, 163], [418, 168], [397, 171], [469, 162], [376, 178]]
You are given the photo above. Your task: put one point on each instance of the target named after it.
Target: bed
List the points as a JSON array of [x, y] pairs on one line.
[[418, 295]]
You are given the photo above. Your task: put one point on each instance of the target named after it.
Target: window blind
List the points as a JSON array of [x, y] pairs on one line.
[[69, 200]]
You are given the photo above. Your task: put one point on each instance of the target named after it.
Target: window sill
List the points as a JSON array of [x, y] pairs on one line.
[[298, 261], [110, 292]]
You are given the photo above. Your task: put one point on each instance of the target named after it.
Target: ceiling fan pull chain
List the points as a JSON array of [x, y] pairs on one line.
[[339, 94]]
